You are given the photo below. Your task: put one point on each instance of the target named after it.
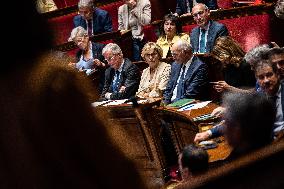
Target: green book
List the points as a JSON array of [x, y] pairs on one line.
[[182, 102]]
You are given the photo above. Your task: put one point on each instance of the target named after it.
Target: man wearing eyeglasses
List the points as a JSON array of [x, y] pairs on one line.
[[93, 19], [203, 36], [122, 77], [189, 75]]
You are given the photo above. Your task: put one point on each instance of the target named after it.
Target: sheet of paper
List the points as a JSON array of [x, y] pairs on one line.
[[95, 104], [115, 102], [194, 106], [139, 101]]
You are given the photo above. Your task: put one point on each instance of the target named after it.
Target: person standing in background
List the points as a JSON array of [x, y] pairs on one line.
[[133, 15]]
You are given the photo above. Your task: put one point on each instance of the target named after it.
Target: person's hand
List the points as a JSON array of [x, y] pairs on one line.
[[217, 112], [201, 136], [122, 89], [186, 14], [98, 63], [220, 86]]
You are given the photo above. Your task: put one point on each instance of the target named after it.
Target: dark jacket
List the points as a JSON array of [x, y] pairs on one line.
[[129, 77], [101, 21], [216, 29], [196, 81]]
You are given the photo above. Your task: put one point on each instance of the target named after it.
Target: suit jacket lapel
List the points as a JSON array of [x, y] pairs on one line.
[[190, 70], [178, 69]]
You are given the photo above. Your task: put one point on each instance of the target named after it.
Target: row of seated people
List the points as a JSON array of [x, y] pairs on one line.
[[112, 19]]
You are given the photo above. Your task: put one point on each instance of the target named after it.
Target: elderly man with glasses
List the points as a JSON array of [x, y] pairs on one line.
[[203, 36], [122, 77]]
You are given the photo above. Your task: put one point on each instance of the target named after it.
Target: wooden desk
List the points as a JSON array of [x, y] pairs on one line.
[[184, 129], [136, 136]]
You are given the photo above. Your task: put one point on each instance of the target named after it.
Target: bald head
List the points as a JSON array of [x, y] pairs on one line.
[[201, 14]]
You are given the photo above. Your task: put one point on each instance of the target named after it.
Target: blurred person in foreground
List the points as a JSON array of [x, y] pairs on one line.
[[50, 137], [155, 78], [192, 162]]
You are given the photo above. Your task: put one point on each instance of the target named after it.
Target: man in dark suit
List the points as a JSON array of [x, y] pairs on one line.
[[189, 76], [202, 37], [122, 77], [184, 7], [94, 20]]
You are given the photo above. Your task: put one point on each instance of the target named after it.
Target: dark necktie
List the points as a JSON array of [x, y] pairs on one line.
[[115, 82], [202, 41], [180, 84], [90, 29]]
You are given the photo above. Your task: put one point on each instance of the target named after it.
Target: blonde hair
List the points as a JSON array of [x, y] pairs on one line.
[[233, 51], [151, 45]]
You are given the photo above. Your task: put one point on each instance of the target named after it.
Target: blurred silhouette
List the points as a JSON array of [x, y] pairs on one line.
[[50, 137]]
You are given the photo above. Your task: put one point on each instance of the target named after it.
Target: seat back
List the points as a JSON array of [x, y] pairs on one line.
[[262, 169]]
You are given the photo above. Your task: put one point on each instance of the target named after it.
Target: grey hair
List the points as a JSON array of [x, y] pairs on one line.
[[183, 45], [256, 54], [77, 32], [279, 9], [113, 47], [86, 3]]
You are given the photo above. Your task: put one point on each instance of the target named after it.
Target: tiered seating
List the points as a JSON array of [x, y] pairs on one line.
[[63, 25]]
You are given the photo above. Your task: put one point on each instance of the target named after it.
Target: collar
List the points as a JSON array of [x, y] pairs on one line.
[[121, 66], [188, 63], [207, 26]]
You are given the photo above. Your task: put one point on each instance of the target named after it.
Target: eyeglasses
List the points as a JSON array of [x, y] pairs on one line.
[[152, 55], [111, 58]]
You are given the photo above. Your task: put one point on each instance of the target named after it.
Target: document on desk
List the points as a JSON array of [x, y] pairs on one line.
[[140, 101], [115, 102], [194, 106], [95, 104]]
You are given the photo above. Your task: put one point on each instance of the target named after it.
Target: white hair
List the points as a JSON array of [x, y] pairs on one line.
[[77, 32], [113, 47], [86, 3], [183, 45]]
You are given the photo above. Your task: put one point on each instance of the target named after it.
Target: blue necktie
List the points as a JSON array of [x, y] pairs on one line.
[[180, 84], [115, 82], [202, 41]]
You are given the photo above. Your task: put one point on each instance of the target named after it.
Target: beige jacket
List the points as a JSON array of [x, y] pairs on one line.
[[156, 86]]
